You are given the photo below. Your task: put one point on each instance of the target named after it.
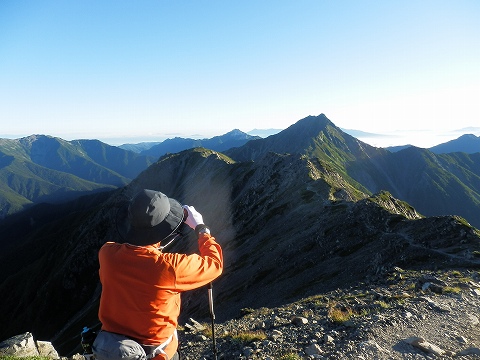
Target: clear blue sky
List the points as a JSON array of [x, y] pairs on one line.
[[147, 70]]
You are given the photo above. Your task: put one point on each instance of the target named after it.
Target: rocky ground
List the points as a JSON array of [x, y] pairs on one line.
[[402, 314], [399, 315]]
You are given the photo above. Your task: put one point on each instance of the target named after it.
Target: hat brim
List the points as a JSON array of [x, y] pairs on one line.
[[151, 235]]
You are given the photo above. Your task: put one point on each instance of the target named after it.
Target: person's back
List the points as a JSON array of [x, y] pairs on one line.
[[141, 285]]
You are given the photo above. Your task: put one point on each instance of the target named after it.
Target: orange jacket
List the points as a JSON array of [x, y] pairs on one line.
[[141, 287]]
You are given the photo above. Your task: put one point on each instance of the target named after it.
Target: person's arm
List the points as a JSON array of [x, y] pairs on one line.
[[193, 271]]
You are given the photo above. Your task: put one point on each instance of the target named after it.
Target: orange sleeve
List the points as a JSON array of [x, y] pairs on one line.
[[194, 271], [141, 287]]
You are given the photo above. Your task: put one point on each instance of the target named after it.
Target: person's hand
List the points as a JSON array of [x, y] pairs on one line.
[[194, 218]]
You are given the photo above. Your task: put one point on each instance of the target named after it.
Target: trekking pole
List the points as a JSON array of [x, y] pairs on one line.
[[212, 314]]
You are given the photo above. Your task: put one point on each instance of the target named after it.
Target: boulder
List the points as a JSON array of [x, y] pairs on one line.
[[24, 345], [45, 348], [21, 345], [425, 346]]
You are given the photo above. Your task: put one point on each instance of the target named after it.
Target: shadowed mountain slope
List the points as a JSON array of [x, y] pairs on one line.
[[24, 183], [42, 168]]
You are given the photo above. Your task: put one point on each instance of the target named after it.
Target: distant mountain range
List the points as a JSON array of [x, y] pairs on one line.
[[467, 143], [42, 168], [139, 147], [218, 143], [307, 210], [221, 143], [57, 170]]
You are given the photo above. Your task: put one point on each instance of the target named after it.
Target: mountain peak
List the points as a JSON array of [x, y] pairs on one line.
[[318, 122], [313, 136], [468, 136], [467, 143], [235, 132], [28, 140]]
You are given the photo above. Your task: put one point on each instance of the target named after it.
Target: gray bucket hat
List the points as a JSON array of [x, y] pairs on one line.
[[152, 217]]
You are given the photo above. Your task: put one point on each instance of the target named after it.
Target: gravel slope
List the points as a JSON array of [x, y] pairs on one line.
[[400, 315]]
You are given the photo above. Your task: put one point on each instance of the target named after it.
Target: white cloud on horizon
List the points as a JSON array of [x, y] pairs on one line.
[[419, 138], [423, 139]]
